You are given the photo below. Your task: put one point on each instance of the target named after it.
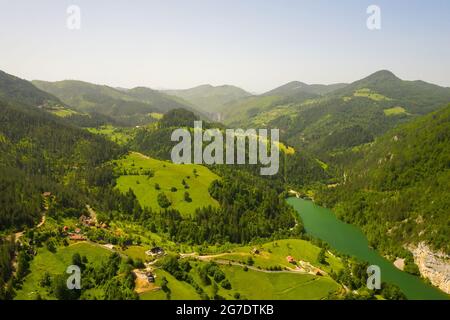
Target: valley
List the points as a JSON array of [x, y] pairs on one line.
[[96, 160], [349, 240]]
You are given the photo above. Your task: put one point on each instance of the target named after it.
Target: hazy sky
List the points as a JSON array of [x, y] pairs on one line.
[[256, 44]]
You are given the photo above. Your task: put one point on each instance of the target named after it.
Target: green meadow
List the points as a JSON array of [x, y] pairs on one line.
[[367, 93], [179, 290], [250, 284], [167, 175], [116, 134], [63, 112], [394, 111], [57, 263], [156, 115], [278, 286], [274, 254], [257, 282]]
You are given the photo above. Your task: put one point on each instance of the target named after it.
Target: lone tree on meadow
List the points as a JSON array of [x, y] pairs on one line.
[[163, 201], [187, 197]]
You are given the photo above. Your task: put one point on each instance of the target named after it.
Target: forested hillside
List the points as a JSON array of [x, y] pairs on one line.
[[296, 169], [38, 153], [298, 89], [349, 116], [334, 147], [396, 189], [417, 97], [16, 90], [255, 110], [131, 107]]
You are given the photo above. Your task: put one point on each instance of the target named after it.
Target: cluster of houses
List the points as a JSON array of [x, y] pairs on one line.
[[91, 222], [77, 234]]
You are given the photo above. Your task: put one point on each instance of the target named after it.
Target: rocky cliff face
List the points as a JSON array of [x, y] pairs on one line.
[[432, 265]]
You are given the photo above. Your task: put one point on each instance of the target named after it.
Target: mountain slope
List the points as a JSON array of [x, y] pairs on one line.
[[210, 99], [14, 89], [130, 106], [352, 115], [396, 189], [40, 152], [275, 102], [295, 88], [417, 97]]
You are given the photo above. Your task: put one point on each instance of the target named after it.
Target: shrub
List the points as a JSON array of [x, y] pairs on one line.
[[163, 201]]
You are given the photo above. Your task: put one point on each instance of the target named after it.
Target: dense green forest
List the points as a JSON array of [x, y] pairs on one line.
[[43, 153], [249, 210], [369, 150], [130, 107], [16, 90], [297, 169], [348, 116], [38, 153], [396, 189]]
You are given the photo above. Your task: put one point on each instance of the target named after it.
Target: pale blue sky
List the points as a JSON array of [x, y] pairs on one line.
[[254, 44]]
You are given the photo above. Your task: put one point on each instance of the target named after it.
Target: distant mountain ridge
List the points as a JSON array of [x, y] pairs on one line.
[[348, 116], [279, 107], [129, 105], [14, 89], [418, 96], [211, 99], [295, 87], [293, 92]]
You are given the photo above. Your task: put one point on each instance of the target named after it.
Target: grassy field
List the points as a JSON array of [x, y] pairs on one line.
[[274, 254], [56, 263], [136, 252], [279, 286], [367, 93], [263, 118], [166, 175], [259, 283], [118, 135], [63, 112], [250, 284], [156, 115], [394, 111], [283, 148], [179, 290]]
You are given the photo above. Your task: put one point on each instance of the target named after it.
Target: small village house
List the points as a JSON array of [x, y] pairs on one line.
[[156, 251], [290, 259]]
